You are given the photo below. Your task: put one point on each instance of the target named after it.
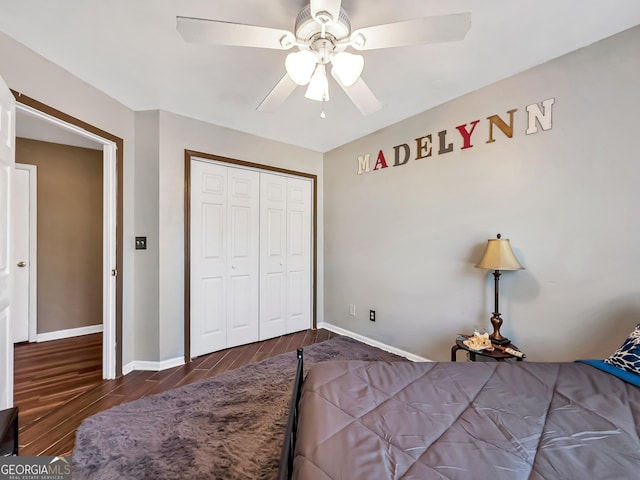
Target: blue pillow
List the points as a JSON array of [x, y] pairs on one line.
[[627, 357], [628, 377]]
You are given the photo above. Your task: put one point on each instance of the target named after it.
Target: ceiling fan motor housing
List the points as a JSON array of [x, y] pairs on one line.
[[307, 27], [323, 47]]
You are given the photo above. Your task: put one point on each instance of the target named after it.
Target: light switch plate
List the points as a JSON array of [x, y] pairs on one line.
[[141, 243]]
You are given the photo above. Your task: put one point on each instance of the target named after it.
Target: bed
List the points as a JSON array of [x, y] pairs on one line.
[[512, 420]]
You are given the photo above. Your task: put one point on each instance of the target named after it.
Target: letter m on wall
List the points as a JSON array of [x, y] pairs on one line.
[[364, 164], [540, 116]]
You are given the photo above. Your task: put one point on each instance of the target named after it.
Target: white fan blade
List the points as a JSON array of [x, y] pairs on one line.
[[200, 30], [330, 6], [362, 97], [419, 31], [278, 94]]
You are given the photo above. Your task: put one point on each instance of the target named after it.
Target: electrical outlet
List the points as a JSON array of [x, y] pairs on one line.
[[372, 315], [352, 310]]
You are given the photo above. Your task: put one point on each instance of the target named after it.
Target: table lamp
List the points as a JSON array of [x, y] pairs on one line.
[[498, 256]]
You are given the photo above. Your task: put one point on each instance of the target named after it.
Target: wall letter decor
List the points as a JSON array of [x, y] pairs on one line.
[[498, 122], [538, 115], [407, 152]]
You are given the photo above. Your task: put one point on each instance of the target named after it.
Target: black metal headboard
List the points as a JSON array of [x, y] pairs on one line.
[[288, 445]]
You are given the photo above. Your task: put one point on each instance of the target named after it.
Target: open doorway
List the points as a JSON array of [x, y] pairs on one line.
[[57, 228], [38, 123]]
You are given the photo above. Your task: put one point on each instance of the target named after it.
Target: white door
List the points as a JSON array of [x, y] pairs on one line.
[[298, 259], [243, 233], [224, 257], [208, 258], [285, 261], [273, 254], [24, 221], [7, 160]]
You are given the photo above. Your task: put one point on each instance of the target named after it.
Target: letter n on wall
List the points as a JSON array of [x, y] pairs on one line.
[[540, 116]]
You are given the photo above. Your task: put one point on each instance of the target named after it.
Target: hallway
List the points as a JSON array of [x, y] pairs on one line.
[[49, 374]]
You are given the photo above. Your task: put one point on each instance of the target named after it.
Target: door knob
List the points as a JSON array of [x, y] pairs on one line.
[[22, 264]]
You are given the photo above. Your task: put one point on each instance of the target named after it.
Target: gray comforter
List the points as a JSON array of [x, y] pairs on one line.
[[472, 421]]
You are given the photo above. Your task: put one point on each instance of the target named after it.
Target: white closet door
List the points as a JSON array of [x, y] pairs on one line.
[[298, 258], [250, 256], [208, 258], [285, 255], [244, 256], [224, 257], [273, 281]]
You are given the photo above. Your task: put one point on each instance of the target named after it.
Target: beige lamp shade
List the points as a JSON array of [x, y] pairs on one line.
[[499, 256]]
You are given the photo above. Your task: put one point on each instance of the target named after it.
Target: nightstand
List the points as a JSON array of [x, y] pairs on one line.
[[9, 431], [497, 355]]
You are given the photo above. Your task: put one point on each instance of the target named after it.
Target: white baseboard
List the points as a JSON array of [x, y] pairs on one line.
[[68, 333], [373, 343], [152, 366], [128, 368], [176, 362]]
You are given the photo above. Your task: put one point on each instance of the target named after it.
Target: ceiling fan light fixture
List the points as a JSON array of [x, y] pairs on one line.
[[318, 88], [347, 67], [322, 31], [300, 66]]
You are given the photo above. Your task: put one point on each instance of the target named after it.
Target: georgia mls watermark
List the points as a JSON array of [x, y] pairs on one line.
[[35, 468]]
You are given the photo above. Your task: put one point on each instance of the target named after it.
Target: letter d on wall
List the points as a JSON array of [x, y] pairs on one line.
[[407, 152]]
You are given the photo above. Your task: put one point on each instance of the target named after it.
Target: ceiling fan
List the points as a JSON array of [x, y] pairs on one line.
[[322, 35]]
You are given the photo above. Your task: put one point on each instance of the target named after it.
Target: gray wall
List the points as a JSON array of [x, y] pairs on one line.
[[176, 134], [161, 140], [146, 262], [404, 240]]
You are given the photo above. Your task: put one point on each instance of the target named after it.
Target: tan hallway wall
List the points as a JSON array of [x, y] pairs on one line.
[[69, 233]]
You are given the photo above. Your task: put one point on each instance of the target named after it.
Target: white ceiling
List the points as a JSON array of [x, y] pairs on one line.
[[130, 50]]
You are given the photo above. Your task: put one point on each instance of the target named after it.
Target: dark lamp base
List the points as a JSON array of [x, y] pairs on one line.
[[499, 341], [496, 337]]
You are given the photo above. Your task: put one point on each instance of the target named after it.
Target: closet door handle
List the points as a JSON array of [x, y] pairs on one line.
[[22, 264], [233, 266]]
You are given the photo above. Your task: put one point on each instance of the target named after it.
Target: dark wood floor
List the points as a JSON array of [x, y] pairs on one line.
[[59, 383]]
